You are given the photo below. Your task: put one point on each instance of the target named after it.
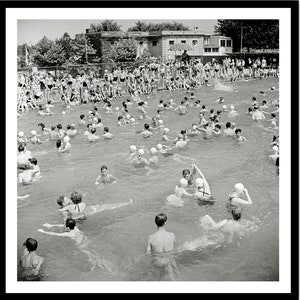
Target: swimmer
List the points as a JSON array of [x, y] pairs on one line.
[[154, 158], [105, 177], [146, 132], [26, 177], [180, 192], [30, 261], [232, 112], [275, 154], [234, 201], [34, 167], [257, 115], [92, 137], [76, 209], [67, 144], [160, 245], [73, 232], [239, 137], [107, 134], [141, 162], [133, 152], [202, 187]]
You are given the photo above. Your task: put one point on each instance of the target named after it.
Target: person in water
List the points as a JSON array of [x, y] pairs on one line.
[[30, 262], [160, 245], [202, 187]]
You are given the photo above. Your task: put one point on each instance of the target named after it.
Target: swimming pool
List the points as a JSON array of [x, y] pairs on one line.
[[118, 237]]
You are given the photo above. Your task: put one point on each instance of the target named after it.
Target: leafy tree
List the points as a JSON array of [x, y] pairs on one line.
[[65, 42], [256, 34], [106, 25], [142, 26], [123, 50]]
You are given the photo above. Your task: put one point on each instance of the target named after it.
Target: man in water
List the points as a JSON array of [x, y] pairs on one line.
[[160, 246]]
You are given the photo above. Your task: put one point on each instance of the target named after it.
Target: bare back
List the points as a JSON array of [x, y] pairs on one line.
[[161, 242]]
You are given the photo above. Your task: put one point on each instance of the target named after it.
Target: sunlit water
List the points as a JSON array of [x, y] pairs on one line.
[[117, 238]]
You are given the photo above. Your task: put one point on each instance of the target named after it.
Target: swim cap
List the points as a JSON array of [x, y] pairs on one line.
[[21, 134], [159, 146], [160, 122], [145, 102], [275, 148], [273, 88], [117, 108], [232, 107], [132, 120], [33, 132], [171, 100], [132, 148], [194, 127], [141, 152], [183, 182], [66, 139], [166, 129], [199, 182], [232, 124], [63, 112], [153, 150], [239, 188], [224, 106]]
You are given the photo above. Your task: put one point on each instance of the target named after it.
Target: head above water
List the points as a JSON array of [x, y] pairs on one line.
[[76, 197], [70, 223], [31, 244], [161, 219], [183, 182], [199, 182], [239, 188]]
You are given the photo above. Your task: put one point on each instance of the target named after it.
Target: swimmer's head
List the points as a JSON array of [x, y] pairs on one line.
[[33, 132], [63, 112], [231, 107], [160, 122], [199, 182], [239, 188], [60, 200], [141, 152], [273, 88], [66, 139], [21, 134], [171, 100], [194, 126], [153, 150], [275, 149], [180, 136], [273, 123], [32, 160], [166, 130], [117, 108], [76, 197], [70, 223], [161, 219], [132, 120], [31, 244], [236, 214], [224, 107], [132, 148], [159, 146], [183, 182]]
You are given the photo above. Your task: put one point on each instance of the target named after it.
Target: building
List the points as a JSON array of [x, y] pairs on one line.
[[169, 44]]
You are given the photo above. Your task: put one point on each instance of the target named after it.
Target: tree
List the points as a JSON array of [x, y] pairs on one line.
[[142, 26], [255, 34], [123, 50], [106, 25]]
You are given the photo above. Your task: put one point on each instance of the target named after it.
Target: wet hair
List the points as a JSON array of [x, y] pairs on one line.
[[277, 162], [146, 126], [21, 148], [212, 111], [103, 168], [31, 244], [70, 223], [186, 171], [59, 126], [81, 116], [33, 160], [93, 130], [238, 130], [228, 125], [236, 215], [41, 125], [249, 109], [58, 143], [218, 126], [53, 127], [60, 200], [120, 118], [203, 106], [68, 126], [76, 197], [106, 129], [160, 219]]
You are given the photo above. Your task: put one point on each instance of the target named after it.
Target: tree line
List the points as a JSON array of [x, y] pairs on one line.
[[246, 34]]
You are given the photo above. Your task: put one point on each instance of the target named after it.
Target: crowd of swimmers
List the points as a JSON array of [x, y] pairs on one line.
[[35, 92]]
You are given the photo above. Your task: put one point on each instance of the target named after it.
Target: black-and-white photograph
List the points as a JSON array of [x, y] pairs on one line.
[[148, 148]]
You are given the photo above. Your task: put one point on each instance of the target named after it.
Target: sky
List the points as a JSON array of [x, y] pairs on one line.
[[32, 31]]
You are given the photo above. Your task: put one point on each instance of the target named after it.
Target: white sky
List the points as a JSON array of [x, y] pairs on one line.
[[31, 31]]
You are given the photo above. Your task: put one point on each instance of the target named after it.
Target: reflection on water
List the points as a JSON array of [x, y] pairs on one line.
[[118, 237]]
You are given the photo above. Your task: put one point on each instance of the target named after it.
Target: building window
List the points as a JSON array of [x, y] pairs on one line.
[[154, 43], [195, 42], [215, 49], [222, 43], [207, 49], [171, 42], [228, 43], [183, 41], [206, 41]]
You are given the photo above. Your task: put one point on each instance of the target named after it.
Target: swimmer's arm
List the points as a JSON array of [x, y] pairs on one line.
[[63, 234], [148, 248], [37, 263], [97, 179]]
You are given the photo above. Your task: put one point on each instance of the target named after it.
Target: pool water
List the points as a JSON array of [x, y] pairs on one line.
[[118, 237]]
